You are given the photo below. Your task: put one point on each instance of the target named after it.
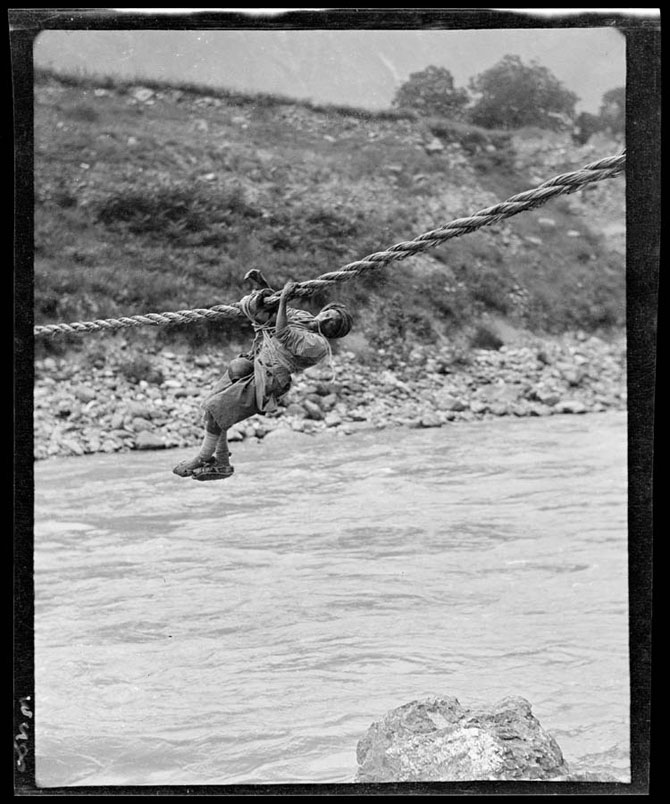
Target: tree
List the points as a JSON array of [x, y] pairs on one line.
[[513, 94], [613, 110], [586, 125], [431, 92]]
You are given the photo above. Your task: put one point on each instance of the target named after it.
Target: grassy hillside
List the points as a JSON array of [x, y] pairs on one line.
[[161, 197]]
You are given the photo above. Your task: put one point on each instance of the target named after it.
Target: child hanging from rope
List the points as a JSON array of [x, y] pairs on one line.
[[289, 342]]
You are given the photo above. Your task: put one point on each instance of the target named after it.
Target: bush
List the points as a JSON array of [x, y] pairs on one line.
[[485, 338], [494, 161], [175, 212], [490, 149], [513, 95], [82, 112], [328, 223], [586, 125], [613, 111], [431, 92], [491, 289]]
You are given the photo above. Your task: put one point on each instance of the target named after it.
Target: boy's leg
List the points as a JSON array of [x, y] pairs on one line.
[[206, 456], [220, 468], [221, 453]]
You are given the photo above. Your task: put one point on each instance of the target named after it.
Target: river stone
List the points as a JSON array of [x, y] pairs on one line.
[[147, 440], [313, 409], [139, 410], [295, 409], [73, 446], [437, 739], [434, 146], [142, 94], [139, 425], [571, 406], [324, 388], [328, 401], [64, 408], [501, 394], [310, 426], [190, 390], [279, 432], [84, 394], [431, 420], [574, 376], [236, 433], [317, 373], [499, 408], [549, 398], [116, 422], [449, 402], [121, 433], [332, 419]]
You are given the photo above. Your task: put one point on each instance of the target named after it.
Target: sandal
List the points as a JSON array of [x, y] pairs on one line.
[[186, 468], [213, 472]]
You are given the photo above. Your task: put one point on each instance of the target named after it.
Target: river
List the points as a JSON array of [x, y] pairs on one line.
[[251, 630]]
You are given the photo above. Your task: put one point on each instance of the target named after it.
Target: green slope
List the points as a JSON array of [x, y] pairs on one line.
[[160, 198]]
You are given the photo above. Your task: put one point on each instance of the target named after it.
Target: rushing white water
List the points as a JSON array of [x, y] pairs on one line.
[[250, 630]]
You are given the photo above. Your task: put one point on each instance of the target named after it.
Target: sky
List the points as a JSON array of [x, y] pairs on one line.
[[344, 66]]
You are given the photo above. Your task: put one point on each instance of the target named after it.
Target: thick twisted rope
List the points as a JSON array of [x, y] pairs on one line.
[[560, 185], [155, 319]]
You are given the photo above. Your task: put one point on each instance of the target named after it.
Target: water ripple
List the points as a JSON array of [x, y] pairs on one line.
[[251, 632]]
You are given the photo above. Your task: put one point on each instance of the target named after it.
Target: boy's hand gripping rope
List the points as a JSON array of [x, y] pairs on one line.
[[560, 185]]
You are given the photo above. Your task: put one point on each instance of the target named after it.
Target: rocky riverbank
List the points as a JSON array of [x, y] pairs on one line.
[[124, 397]]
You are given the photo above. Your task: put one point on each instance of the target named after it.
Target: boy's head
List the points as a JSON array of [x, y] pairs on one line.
[[334, 321]]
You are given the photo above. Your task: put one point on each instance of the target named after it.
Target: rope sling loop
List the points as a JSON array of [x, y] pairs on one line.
[[560, 185]]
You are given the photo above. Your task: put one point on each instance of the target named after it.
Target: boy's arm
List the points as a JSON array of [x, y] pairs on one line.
[[282, 318]]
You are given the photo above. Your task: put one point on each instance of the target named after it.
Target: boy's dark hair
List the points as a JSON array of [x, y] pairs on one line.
[[345, 320]]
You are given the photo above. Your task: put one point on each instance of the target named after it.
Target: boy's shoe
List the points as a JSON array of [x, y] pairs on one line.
[[214, 471], [186, 468]]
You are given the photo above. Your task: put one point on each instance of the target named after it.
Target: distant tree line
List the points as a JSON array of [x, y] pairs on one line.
[[510, 95]]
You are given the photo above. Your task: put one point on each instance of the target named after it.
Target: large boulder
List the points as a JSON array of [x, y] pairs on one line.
[[437, 739]]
